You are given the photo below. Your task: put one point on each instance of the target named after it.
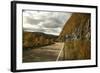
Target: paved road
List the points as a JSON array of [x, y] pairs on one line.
[[46, 53]]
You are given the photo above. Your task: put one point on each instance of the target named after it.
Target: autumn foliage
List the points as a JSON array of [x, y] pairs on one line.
[[37, 39], [77, 49]]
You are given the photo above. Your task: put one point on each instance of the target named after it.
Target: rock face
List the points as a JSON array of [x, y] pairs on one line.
[[76, 34], [78, 24], [37, 39]]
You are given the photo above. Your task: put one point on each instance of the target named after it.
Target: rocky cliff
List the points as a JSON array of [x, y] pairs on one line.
[[76, 34], [78, 25]]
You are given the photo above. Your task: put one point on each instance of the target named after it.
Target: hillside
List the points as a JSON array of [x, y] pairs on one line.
[[37, 39], [77, 30], [78, 24]]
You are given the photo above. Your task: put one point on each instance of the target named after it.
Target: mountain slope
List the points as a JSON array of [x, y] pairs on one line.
[[37, 39]]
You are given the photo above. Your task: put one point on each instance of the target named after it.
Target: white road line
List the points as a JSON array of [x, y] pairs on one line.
[[60, 52]]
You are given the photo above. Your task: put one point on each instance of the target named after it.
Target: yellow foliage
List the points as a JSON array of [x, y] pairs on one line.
[[77, 49]]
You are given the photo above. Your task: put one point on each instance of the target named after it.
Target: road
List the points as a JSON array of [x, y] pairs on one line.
[[42, 54]]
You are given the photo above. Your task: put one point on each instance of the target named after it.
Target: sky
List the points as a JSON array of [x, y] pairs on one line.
[[44, 21]]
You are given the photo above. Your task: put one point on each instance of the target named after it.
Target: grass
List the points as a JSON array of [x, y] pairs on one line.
[[77, 50]]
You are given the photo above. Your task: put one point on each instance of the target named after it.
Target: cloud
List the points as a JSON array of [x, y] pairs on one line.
[[33, 21], [51, 24], [33, 30], [42, 21]]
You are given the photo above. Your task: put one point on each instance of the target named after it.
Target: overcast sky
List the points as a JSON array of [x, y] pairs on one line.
[[43, 21]]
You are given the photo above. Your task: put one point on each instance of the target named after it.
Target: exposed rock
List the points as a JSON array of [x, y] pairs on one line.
[[78, 24], [76, 34]]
